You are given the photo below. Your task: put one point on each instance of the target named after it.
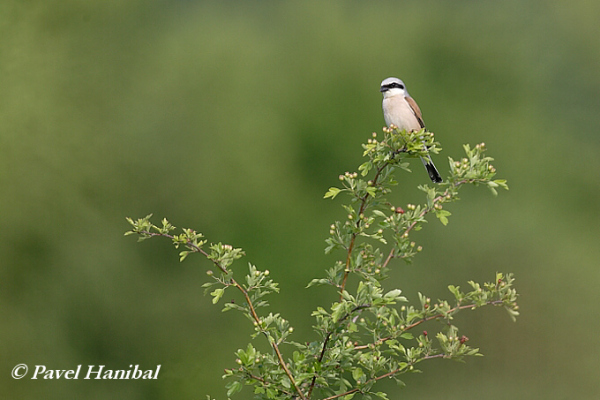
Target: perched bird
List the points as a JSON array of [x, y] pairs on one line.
[[401, 110]]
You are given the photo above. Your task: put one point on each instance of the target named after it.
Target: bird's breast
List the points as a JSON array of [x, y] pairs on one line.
[[398, 112]]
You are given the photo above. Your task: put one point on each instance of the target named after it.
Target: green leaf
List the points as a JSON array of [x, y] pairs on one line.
[[443, 216], [233, 387], [365, 168], [217, 294], [358, 374], [501, 183], [332, 192], [393, 294], [372, 191], [379, 213]]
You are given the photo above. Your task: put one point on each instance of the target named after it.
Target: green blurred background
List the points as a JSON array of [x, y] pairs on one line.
[[234, 118]]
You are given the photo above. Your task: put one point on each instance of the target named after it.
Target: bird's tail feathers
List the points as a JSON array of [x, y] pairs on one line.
[[434, 175]]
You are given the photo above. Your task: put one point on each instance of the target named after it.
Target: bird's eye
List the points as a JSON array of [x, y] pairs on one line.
[[399, 85]]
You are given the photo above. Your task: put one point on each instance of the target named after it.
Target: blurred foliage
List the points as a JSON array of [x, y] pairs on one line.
[[214, 113]]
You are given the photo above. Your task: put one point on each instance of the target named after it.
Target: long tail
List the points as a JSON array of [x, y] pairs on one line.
[[434, 175]]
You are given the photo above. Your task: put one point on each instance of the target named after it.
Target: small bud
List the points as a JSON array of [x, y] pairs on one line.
[[350, 216], [332, 226], [209, 273], [380, 231], [267, 272], [341, 177], [463, 339], [425, 333], [420, 248], [377, 270], [399, 210], [290, 329], [403, 308], [412, 244], [238, 361], [374, 134]]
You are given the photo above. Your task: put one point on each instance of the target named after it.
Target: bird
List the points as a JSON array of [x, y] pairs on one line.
[[401, 110]]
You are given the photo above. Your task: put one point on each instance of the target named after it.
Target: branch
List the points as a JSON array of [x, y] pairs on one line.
[[361, 210], [253, 313], [327, 337], [427, 211]]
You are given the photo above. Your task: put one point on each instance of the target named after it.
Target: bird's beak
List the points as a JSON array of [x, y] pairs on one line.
[[383, 89]]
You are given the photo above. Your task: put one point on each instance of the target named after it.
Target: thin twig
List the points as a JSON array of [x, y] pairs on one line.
[[386, 375], [426, 319], [411, 226]]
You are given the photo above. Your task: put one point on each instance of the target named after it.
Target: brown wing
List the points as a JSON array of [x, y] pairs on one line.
[[415, 109]]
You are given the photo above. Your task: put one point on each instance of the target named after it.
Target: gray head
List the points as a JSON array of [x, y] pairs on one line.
[[393, 86]]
